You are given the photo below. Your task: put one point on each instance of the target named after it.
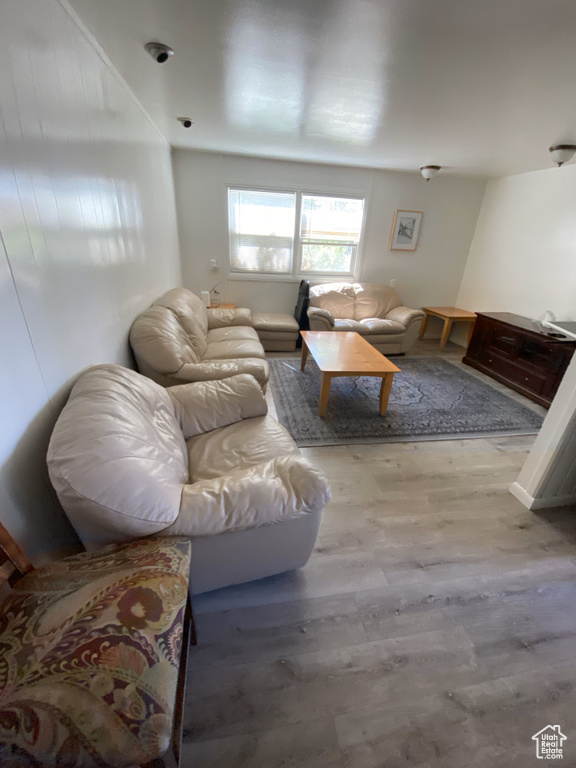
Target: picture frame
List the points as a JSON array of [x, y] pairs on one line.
[[405, 230]]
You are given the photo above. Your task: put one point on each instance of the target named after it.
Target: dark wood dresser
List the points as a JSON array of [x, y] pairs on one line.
[[511, 349]]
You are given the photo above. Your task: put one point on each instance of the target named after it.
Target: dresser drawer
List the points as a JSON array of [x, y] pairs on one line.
[[503, 341], [506, 367], [535, 354]]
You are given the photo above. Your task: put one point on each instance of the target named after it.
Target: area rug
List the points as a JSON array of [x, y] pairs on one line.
[[431, 399]]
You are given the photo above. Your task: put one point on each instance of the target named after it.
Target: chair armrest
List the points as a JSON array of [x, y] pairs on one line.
[[284, 488], [222, 318], [207, 405], [320, 319], [404, 315], [210, 370]]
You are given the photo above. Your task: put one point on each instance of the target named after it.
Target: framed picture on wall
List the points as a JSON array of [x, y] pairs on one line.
[[405, 230]]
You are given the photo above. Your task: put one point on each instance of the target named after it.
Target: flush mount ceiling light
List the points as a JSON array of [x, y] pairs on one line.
[[159, 52], [429, 171], [562, 153]]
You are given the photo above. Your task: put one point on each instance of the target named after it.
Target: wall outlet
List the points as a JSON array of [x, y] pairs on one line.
[[392, 282], [214, 265]]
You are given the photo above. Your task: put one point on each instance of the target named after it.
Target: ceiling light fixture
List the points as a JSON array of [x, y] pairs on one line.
[[159, 52], [187, 122], [562, 153], [429, 171]]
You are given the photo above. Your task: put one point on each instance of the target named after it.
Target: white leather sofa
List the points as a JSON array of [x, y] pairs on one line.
[[373, 310], [129, 458], [179, 340]]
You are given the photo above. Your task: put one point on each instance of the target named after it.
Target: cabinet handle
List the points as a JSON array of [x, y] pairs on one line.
[[507, 338]]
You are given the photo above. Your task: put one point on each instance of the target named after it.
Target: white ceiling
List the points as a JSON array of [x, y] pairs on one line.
[[477, 86]]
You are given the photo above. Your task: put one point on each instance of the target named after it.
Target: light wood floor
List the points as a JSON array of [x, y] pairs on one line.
[[435, 624]]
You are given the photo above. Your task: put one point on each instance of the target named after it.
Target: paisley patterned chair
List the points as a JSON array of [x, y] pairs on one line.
[[93, 656]]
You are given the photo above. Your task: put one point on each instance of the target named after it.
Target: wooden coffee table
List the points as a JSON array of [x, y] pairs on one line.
[[449, 315], [346, 353]]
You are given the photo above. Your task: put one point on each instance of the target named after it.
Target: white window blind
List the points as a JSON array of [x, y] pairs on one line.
[[261, 229], [329, 233]]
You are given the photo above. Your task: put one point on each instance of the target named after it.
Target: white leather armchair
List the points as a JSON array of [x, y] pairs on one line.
[[129, 458]]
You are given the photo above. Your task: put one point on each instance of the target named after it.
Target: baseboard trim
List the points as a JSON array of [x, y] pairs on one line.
[[540, 503]]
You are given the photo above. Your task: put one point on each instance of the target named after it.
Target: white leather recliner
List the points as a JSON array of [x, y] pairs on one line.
[[178, 340], [373, 310], [129, 458]]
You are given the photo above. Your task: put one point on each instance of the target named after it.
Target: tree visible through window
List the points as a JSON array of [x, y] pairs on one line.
[[266, 238], [329, 233]]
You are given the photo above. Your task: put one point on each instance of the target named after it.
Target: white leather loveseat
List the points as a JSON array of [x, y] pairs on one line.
[[373, 310], [129, 458], [178, 340]]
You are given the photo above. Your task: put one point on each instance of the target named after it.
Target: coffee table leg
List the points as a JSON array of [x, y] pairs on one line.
[[304, 355], [424, 326], [324, 393], [387, 380]]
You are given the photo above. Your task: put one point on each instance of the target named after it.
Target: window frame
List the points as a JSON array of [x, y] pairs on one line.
[[296, 274]]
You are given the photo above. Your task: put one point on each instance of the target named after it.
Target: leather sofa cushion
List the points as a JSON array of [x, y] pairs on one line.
[[185, 305], [337, 298], [234, 350], [289, 336], [117, 456], [351, 325], [161, 340], [274, 322], [191, 314], [220, 317], [381, 325], [374, 300], [237, 446], [232, 333]]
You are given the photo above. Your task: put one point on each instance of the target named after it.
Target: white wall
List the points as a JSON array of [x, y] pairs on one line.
[[89, 239], [430, 275], [523, 255]]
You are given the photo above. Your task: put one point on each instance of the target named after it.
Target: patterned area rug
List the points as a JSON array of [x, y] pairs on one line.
[[431, 399]]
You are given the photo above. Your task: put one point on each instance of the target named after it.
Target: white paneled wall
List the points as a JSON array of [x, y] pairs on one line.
[[89, 239]]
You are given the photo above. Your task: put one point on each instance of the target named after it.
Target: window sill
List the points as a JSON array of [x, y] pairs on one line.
[[315, 277], [264, 278]]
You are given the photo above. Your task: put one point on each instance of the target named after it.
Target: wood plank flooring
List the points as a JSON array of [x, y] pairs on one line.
[[435, 624]]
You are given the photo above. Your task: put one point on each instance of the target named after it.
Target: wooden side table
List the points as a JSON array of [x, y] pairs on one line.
[[449, 315], [215, 305]]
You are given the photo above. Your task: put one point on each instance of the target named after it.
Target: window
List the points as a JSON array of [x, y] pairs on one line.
[[293, 234], [261, 227]]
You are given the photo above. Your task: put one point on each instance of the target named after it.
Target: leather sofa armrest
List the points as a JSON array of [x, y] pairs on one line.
[[284, 488], [404, 315], [320, 319], [207, 405], [222, 318], [209, 370]]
